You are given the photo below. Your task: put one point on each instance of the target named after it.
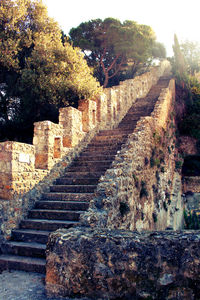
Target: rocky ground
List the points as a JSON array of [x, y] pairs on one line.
[[18, 285]]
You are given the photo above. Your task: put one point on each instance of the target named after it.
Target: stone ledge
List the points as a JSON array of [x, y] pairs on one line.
[[117, 264]]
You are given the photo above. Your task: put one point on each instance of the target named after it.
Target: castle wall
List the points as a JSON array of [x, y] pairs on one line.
[[29, 170], [142, 188]]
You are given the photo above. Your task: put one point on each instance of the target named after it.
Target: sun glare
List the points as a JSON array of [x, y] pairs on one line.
[[180, 16]]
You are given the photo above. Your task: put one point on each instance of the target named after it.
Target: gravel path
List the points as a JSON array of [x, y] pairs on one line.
[[18, 285]]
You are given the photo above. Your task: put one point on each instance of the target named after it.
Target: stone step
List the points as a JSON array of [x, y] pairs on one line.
[[85, 197], [49, 214], [99, 152], [76, 181], [93, 157], [128, 125], [26, 249], [114, 132], [128, 119], [72, 188], [90, 169], [106, 145], [114, 138], [28, 264], [70, 196], [90, 163], [30, 235], [86, 174], [44, 224], [107, 142], [59, 205]]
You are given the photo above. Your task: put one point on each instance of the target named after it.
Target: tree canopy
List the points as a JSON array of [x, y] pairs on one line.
[[185, 65], [191, 52], [111, 46], [39, 70]]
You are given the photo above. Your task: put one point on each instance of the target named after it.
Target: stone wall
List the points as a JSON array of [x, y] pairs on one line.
[[142, 189], [191, 184], [117, 264], [28, 170]]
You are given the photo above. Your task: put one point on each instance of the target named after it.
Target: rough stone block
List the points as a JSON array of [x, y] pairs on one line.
[[104, 264], [41, 161]]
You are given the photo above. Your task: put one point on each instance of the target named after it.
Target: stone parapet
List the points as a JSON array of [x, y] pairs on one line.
[[117, 264], [136, 192], [27, 170], [16, 159]]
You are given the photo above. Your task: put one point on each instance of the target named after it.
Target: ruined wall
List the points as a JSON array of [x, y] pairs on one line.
[[117, 264], [191, 184], [142, 189], [28, 170]]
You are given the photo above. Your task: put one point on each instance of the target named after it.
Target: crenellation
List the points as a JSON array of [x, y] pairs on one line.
[[101, 107], [28, 170], [88, 107]]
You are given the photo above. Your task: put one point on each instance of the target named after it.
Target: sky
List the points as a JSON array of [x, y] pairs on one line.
[[165, 17]]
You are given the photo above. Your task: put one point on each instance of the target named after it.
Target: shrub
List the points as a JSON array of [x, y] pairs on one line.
[[191, 220], [178, 164]]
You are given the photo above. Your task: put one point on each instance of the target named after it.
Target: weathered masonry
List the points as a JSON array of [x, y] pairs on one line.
[[26, 171], [108, 168]]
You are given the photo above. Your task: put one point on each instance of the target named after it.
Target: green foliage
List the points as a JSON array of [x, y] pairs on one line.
[[114, 48], [136, 180], [190, 124], [158, 50], [179, 64], [157, 138], [191, 220], [191, 52], [186, 63], [178, 164], [40, 71], [154, 162], [124, 208]]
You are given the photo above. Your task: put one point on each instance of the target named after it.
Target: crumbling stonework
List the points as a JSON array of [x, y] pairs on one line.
[[187, 145], [28, 170], [192, 184], [117, 264], [142, 189]]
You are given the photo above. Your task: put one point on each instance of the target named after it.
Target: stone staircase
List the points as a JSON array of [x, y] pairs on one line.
[[70, 195]]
